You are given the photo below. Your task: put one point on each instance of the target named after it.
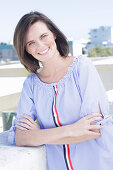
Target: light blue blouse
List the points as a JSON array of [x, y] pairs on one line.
[[80, 92]]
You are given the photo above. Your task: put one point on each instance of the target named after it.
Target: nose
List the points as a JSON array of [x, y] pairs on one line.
[[39, 46]]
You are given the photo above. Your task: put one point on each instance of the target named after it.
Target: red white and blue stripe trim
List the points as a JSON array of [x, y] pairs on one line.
[[66, 148]]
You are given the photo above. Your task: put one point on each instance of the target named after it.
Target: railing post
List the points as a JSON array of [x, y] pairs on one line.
[[7, 118]]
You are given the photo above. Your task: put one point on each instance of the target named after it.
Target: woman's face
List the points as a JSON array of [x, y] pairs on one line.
[[40, 42]]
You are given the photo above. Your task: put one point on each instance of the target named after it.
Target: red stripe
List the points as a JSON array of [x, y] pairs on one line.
[[61, 125], [69, 157], [57, 112]]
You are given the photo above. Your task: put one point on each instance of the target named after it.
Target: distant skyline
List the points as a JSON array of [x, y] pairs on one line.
[[74, 18]]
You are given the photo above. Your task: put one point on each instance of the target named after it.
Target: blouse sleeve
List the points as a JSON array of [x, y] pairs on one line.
[[93, 96], [26, 106], [91, 89]]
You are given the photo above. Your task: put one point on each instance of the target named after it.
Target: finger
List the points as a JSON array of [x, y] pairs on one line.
[[94, 133], [95, 130], [92, 115], [21, 128], [93, 123], [94, 136], [23, 125], [96, 127], [25, 121], [95, 118], [28, 117]]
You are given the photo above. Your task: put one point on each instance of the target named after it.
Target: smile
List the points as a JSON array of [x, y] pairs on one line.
[[44, 52]]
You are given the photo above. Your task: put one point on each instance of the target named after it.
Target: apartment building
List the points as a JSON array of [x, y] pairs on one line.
[[102, 36], [7, 53]]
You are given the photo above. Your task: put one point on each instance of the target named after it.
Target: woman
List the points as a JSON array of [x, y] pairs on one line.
[[67, 97]]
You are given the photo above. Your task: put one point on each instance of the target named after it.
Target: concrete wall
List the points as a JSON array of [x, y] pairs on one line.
[[106, 74], [15, 75], [21, 158], [13, 72], [9, 102]]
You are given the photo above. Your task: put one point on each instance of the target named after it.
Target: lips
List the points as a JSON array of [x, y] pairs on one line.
[[44, 52]]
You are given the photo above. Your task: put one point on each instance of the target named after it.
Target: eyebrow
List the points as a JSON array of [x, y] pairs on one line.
[[43, 34], [33, 40]]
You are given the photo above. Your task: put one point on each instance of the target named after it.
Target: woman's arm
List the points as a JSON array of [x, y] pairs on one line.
[[29, 134]]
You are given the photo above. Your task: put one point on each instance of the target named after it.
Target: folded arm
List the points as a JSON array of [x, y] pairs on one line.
[[28, 132]]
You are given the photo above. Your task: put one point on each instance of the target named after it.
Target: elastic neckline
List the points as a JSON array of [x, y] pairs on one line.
[[61, 81]]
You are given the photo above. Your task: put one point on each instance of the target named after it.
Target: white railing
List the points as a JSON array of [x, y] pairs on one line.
[[21, 158]]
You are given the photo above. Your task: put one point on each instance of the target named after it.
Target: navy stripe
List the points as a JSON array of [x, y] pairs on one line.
[[54, 119], [65, 157], [64, 149]]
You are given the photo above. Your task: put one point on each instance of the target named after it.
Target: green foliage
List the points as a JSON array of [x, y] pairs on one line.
[[99, 51], [28, 74]]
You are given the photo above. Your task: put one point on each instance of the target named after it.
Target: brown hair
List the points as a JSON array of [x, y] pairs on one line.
[[29, 62]]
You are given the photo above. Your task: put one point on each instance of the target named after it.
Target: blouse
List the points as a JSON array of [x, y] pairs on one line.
[[79, 93]]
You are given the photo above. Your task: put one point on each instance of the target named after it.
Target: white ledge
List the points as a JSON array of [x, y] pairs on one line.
[[19, 158]]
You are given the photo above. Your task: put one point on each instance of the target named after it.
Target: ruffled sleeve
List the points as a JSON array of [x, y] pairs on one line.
[[26, 106]]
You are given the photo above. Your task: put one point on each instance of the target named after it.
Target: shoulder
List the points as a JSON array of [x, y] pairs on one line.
[[30, 78], [29, 81], [83, 61], [84, 65]]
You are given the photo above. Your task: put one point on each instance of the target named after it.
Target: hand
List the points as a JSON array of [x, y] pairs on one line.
[[86, 128], [27, 123]]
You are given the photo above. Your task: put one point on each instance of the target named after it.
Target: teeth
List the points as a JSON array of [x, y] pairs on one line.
[[44, 51]]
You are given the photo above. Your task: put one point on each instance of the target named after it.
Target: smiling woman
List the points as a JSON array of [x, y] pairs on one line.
[[40, 41], [66, 96], [33, 34]]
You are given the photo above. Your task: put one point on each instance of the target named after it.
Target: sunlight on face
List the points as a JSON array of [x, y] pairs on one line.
[[40, 41]]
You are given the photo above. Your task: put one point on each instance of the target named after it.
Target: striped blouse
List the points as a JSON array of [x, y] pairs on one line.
[[77, 94]]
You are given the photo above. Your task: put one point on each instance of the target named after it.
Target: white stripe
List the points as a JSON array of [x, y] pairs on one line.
[[67, 158], [56, 89], [59, 125], [55, 116]]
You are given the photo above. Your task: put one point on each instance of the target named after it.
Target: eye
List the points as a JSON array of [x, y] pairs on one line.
[[31, 43], [44, 36]]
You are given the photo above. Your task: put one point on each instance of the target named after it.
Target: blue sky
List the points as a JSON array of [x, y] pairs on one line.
[[74, 17]]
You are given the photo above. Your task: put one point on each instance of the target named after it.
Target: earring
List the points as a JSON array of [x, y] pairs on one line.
[[41, 67], [40, 64]]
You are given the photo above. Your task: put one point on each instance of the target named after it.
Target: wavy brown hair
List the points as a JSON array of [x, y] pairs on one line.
[[29, 62]]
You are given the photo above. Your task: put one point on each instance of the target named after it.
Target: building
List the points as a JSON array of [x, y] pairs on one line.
[[75, 48], [102, 36], [7, 53], [70, 42]]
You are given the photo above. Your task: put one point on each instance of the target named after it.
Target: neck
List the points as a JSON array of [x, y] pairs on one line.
[[52, 66]]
